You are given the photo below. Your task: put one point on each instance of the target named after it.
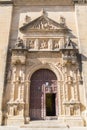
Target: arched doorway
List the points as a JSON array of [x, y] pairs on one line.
[[43, 94]]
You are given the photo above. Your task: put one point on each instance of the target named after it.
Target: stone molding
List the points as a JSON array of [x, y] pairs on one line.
[[43, 2], [80, 1], [6, 1]]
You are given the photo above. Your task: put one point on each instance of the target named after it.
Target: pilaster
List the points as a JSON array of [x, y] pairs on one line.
[[5, 24], [27, 100]]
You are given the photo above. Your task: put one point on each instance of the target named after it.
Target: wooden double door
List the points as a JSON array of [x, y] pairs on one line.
[[43, 94]]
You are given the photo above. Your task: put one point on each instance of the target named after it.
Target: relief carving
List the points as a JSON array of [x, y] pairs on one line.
[[30, 44], [43, 44], [50, 44], [56, 44]]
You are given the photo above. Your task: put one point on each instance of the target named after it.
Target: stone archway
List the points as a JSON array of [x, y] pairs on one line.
[[43, 94]]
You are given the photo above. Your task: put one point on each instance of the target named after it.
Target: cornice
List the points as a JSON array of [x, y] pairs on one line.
[[6, 1], [44, 2], [79, 1]]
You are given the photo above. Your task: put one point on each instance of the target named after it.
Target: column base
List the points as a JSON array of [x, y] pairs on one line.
[[84, 115], [15, 120], [27, 120], [71, 120]]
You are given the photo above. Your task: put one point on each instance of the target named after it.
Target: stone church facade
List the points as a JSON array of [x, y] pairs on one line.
[[43, 61]]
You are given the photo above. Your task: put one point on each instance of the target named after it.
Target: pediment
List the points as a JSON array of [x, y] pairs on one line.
[[43, 23]]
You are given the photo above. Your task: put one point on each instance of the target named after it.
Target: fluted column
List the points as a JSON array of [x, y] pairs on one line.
[[27, 101]]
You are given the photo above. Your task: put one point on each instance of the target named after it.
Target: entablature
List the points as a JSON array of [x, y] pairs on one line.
[[43, 2], [80, 1]]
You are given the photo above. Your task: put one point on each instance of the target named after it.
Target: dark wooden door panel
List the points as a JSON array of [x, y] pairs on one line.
[[50, 104], [39, 78]]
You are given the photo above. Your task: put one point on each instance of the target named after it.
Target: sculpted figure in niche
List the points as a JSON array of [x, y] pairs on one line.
[[19, 44], [44, 44], [31, 44], [56, 44]]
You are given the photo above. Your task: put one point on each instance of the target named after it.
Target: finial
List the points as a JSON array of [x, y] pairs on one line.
[[43, 11], [62, 20], [27, 19]]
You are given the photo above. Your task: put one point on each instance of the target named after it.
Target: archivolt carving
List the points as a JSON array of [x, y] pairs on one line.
[[50, 66]]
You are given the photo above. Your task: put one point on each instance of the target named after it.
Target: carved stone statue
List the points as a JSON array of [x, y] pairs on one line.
[[27, 19], [62, 20], [68, 43], [31, 44], [19, 44]]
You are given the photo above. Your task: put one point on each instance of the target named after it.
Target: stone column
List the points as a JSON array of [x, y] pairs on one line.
[[72, 91], [22, 92], [12, 83], [27, 101], [76, 92]]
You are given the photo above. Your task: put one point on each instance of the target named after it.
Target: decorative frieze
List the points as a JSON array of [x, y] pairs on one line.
[[48, 44]]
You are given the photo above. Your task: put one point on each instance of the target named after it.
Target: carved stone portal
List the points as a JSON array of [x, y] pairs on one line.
[[56, 54]]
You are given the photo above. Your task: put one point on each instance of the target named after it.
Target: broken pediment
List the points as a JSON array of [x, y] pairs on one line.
[[43, 23]]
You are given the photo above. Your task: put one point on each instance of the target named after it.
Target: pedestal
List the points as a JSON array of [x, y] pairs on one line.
[[71, 121], [27, 120], [84, 115], [15, 120]]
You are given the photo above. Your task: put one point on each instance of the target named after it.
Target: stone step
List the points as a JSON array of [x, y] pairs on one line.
[[18, 128], [45, 124]]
